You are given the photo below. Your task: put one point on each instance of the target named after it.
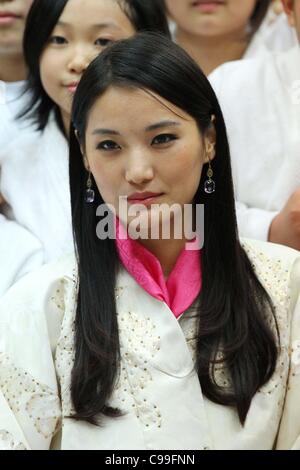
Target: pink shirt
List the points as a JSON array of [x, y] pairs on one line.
[[183, 284]]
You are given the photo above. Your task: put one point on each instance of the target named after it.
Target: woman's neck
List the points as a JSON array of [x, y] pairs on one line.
[[210, 52], [66, 120], [12, 68], [166, 251]]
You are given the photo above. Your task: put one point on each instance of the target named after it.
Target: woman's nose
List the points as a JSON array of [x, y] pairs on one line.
[[79, 61], [139, 170]]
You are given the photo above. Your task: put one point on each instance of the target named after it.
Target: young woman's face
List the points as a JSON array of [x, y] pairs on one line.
[[13, 15], [211, 17], [137, 142], [84, 29]]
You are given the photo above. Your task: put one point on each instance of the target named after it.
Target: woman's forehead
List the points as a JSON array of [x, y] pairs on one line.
[[95, 13], [133, 101]]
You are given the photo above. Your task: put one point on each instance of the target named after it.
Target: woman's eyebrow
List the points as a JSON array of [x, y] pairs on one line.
[[152, 127], [105, 132], [161, 124], [94, 26]]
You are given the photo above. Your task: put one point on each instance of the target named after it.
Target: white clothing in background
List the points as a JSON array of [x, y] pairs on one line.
[[12, 101], [277, 34], [35, 183], [273, 37], [7, 125], [20, 250], [20, 253], [260, 99], [157, 375], [15, 96]]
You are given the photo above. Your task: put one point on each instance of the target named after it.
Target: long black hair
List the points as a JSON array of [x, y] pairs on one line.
[[259, 14], [43, 16], [233, 303]]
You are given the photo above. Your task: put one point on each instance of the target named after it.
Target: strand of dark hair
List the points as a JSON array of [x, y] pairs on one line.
[[96, 330], [235, 311]]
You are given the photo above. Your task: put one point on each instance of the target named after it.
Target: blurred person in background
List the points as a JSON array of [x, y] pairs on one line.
[[13, 70], [217, 31], [61, 39], [260, 99], [20, 251]]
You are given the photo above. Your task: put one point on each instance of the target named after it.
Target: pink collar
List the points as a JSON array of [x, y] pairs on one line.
[[183, 284]]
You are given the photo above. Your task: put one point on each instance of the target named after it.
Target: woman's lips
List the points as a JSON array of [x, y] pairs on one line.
[[8, 18], [207, 6], [72, 87], [144, 199]]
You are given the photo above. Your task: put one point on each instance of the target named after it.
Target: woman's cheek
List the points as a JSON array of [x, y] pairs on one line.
[[106, 187], [186, 164]]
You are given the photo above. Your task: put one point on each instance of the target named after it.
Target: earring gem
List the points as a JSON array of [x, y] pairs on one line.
[[89, 196], [89, 192], [209, 186]]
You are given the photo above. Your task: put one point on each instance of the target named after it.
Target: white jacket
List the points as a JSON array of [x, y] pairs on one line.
[[35, 183], [20, 251], [274, 35], [35, 225], [158, 388]]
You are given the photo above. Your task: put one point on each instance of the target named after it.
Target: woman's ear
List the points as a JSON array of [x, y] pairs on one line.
[[85, 161], [210, 142], [79, 140], [288, 6]]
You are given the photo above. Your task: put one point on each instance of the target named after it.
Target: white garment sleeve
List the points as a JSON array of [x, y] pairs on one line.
[[216, 79], [20, 253], [253, 222], [30, 327], [7, 125]]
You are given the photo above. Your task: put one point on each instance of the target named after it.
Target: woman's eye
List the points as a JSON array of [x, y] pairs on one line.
[[103, 42], [108, 145], [164, 139], [57, 40]]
